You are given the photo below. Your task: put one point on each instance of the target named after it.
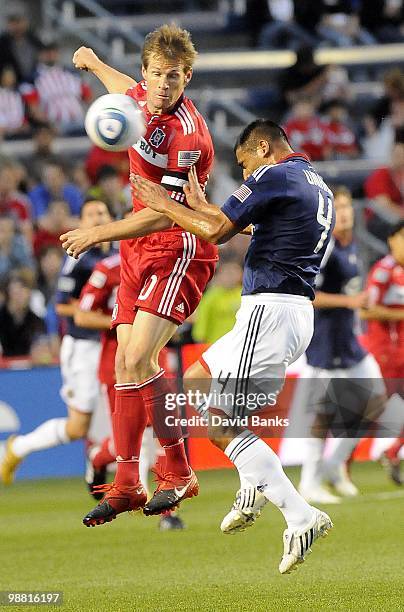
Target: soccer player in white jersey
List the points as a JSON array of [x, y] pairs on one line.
[[291, 210]]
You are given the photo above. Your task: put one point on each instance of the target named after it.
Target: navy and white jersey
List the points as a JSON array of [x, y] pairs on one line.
[[335, 343], [292, 211], [73, 276]]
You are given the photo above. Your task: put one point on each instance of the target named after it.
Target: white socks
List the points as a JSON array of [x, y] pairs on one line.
[[258, 465], [312, 472], [47, 435], [341, 453]]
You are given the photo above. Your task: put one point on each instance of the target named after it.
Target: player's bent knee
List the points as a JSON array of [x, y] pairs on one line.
[[78, 424], [139, 365]]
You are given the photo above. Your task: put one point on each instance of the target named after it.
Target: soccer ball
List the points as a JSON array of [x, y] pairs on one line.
[[114, 122]]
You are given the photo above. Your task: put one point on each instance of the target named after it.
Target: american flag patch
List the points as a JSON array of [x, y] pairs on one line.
[[242, 193], [186, 159]]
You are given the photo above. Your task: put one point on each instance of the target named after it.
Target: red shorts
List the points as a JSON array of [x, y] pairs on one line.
[[165, 274]]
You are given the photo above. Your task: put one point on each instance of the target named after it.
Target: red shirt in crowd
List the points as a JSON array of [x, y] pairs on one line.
[[97, 158], [382, 182], [385, 339], [341, 139], [15, 205], [310, 136]]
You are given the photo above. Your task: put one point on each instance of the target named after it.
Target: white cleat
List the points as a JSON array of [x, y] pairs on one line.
[[246, 509], [296, 544], [319, 495], [342, 484]]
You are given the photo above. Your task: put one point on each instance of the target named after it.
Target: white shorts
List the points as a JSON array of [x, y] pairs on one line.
[[315, 392], [79, 360], [272, 330]]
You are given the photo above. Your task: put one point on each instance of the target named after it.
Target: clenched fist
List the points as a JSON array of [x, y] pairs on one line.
[[85, 59]]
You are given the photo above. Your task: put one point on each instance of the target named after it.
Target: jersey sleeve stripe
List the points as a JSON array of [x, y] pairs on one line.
[[188, 114], [185, 126], [87, 301]]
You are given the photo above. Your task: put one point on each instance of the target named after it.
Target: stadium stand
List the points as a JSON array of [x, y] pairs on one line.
[[233, 83]]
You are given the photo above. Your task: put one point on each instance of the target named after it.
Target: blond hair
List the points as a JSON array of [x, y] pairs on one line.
[[170, 43]]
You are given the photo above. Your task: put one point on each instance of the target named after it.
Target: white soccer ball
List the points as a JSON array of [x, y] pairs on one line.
[[114, 122]]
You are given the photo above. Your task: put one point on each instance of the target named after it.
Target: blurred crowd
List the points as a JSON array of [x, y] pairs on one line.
[[289, 24], [40, 199]]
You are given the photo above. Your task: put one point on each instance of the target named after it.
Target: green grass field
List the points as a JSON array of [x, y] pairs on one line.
[[129, 565]]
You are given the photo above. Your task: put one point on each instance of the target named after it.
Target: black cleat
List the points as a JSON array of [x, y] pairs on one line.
[[171, 521], [117, 499], [171, 491], [103, 513]]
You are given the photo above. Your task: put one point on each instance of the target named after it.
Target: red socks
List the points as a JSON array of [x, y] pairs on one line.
[[394, 449], [153, 392], [104, 455], [129, 421]]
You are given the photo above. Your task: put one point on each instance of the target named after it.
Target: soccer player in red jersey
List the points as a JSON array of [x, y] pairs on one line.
[[162, 276], [94, 311], [385, 332]]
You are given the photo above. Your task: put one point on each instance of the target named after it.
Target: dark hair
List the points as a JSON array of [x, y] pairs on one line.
[[261, 128], [90, 198], [106, 172], [397, 227], [37, 126]]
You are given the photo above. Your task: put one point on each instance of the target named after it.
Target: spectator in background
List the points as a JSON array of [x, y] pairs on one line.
[[386, 186], [341, 137], [216, 313], [304, 79], [384, 19], [56, 221], [279, 30], [393, 81], [19, 326], [97, 158], [54, 186], [13, 111], [43, 139], [386, 118], [61, 94], [334, 22], [49, 264], [80, 178], [15, 252], [307, 132], [12, 202], [18, 44], [109, 190]]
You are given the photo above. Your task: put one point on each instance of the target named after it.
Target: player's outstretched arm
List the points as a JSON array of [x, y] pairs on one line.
[[339, 300], [382, 313], [141, 223], [91, 319], [203, 219], [116, 82]]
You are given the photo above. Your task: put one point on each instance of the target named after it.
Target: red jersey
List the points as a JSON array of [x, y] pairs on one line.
[[385, 339], [309, 136], [341, 138], [172, 144], [383, 182], [99, 293]]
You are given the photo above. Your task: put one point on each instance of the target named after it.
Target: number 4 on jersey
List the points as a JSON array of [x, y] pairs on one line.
[[323, 219]]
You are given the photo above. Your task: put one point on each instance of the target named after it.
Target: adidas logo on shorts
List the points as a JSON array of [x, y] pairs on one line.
[[180, 307]]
